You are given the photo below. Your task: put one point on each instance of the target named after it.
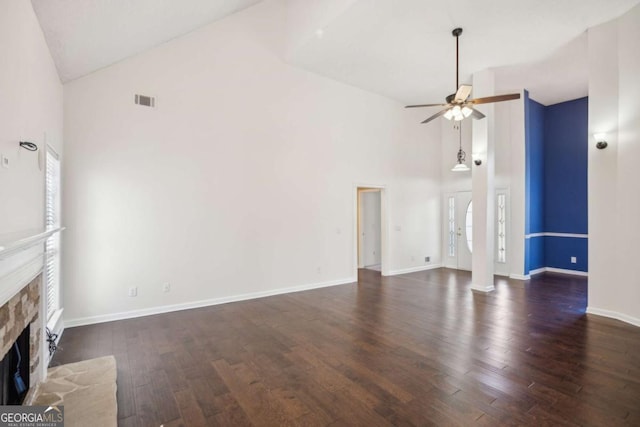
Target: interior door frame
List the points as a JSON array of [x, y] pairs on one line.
[[363, 237], [384, 226]]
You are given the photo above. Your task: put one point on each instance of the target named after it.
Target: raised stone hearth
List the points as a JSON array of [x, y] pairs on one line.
[[87, 390]]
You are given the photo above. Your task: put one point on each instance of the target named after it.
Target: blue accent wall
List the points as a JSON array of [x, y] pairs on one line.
[[556, 140], [536, 167], [559, 250], [565, 167], [535, 248]]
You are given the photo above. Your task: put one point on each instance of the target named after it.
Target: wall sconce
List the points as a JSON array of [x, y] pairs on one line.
[[601, 142], [478, 162], [30, 146]]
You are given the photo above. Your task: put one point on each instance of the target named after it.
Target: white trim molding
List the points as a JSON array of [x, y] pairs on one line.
[[565, 271], [412, 269], [15, 242], [550, 270], [480, 288], [70, 323], [384, 225], [614, 315], [558, 270], [545, 234], [536, 271], [24, 272]]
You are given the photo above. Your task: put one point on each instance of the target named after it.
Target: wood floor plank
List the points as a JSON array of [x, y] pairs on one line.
[[416, 349]]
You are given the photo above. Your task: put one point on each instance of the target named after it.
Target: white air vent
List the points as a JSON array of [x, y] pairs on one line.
[[146, 101]]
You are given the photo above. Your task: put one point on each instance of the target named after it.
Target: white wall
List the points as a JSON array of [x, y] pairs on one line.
[[614, 205], [241, 180], [510, 175], [30, 110]]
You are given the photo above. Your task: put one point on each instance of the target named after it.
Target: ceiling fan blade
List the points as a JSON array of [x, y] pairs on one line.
[[426, 105], [463, 93], [477, 114], [436, 115], [497, 98]]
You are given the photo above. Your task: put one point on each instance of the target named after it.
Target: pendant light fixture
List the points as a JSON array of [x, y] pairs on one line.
[[460, 166]]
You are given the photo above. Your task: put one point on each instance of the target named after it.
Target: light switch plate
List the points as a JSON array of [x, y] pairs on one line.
[[4, 160]]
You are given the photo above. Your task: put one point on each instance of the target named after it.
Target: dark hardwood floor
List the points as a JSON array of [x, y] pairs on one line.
[[417, 349]]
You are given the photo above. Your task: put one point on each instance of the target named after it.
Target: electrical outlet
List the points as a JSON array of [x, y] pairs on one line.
[[133, 292], [166, 287], [573, 260], [4, 160], [427, 259]]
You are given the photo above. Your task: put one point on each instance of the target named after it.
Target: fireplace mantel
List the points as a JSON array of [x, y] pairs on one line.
[[14, 242], [21, 259]]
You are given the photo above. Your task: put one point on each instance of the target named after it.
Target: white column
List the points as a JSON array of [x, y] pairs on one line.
[[604, 204], [483, 188], [516, 223]]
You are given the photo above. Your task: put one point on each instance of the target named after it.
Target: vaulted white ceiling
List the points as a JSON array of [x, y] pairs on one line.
[[86, 35], [402, 49]]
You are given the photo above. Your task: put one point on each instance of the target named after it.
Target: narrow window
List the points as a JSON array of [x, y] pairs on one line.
[[52, 221], [469, 226], [502, 227], [452, 226]]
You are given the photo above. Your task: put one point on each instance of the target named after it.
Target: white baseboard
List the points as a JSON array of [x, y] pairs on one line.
[[487, 288], [197, 304], [558, 270], [564, 271], [550, 270], [537, 271], [412, 269], [614, 315]]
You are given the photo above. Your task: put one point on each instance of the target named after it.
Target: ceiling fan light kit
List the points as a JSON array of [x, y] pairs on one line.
[[458, 106]]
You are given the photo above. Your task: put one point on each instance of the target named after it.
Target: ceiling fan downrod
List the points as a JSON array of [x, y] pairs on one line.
[[456, 33]]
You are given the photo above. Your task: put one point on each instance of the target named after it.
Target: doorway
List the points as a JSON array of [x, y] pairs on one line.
[[370, 229]]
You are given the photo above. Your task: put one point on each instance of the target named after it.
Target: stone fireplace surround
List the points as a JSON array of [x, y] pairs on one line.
[[21, 299], [16, 314]]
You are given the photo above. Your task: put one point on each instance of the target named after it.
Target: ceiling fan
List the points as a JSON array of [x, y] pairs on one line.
[[458, 107]]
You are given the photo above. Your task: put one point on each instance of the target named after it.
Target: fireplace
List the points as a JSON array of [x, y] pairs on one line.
[[14, 371], [20, 335]]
